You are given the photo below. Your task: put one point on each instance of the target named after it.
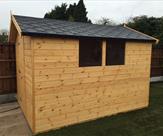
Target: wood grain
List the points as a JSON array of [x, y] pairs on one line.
[[56, 92]]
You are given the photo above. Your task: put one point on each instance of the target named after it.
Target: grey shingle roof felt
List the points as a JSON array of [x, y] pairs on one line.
[[52, 27]]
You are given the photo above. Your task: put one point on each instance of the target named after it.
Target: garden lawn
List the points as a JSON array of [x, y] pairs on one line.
[[145, 122]]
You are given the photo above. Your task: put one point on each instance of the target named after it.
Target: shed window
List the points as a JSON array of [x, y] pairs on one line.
[[90, 52], [115, 52]]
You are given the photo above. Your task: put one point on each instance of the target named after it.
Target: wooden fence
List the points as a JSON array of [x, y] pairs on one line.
[[157, 62], [7, 69]]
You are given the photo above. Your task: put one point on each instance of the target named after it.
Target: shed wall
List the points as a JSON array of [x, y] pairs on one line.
[[24, 68], [66, 93]]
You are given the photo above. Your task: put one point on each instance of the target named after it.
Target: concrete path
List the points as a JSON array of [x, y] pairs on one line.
[[12, 121]]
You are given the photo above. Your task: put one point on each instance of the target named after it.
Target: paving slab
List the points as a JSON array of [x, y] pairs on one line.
[[12, 121]]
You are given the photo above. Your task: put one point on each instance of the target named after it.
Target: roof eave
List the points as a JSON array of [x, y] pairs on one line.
[[76, 36]]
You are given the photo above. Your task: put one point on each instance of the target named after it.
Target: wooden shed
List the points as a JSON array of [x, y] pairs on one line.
[[71, 72]]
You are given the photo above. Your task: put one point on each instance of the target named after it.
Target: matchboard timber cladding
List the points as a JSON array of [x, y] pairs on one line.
[[60, 93], [24, 68]]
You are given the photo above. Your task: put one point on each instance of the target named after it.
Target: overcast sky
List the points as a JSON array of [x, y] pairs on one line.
[[118, 10]]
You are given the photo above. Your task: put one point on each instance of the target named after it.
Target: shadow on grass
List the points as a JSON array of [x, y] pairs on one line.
[[145, 122]]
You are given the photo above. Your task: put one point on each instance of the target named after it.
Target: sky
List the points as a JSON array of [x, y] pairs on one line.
[[118, 10]]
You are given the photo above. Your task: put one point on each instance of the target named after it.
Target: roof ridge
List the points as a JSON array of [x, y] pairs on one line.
[[66, 21]]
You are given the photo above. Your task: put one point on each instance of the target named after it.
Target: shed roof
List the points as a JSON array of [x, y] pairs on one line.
[[51, 27]]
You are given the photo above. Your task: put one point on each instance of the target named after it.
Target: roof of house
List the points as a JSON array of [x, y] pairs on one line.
[[51, 27]]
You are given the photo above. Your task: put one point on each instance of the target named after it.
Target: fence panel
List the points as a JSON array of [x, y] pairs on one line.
[[157, 62], [7, 69]]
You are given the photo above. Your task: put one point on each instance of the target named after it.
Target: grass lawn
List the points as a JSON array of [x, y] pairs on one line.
[[145, 122]]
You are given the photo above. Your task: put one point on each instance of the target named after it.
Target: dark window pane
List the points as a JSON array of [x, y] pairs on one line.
[[90, 52], [115, 52]]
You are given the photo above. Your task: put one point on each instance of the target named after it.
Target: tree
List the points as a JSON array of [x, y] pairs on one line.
[[105, 21], [149, 25], [3, 36], [3, 39], [80, 13], [71, 11], [59, 12], [75, 12]]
